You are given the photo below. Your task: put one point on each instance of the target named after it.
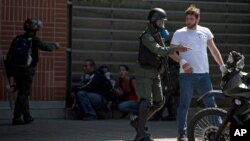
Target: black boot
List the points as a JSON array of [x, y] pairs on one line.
[[146, 137], [134, 124], [28, 120], [140, 122], [17, 121]]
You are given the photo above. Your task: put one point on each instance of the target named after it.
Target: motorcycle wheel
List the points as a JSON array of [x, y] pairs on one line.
[[204, 125]]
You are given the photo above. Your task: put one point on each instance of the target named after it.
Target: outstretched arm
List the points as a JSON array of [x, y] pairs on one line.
[[183, 63], [45, 46], [156, 48]]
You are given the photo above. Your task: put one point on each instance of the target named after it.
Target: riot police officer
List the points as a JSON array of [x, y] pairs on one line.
[[152, 51], [26, 46]]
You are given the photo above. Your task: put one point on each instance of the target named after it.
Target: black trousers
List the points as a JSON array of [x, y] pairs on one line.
[[23, 78]]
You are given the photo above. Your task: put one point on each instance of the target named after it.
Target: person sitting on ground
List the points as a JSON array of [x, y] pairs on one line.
[[94, 94], [125, 92]]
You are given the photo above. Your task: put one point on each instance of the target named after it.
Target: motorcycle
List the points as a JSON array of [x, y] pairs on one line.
[[213, 123]]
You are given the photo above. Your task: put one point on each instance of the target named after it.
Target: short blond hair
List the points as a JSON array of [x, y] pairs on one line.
[[193, 10]]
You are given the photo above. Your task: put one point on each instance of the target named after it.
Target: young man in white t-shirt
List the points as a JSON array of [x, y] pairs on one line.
[[194, 67]]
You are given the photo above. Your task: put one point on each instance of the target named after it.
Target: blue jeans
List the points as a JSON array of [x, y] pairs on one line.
[[130, 106], [90, 102], [188, 83]]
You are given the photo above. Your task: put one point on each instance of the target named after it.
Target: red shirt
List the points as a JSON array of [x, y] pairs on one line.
[[127, 88]]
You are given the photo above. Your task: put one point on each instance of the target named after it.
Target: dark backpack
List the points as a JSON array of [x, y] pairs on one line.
[[20, 52]]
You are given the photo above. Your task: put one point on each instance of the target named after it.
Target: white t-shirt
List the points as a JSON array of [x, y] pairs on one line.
[[197, 41]]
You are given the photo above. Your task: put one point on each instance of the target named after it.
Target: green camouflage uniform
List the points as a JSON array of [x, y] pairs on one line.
[[150, 61], [148, 76]]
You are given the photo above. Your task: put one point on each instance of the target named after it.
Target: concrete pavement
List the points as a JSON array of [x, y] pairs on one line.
[[76, 130]]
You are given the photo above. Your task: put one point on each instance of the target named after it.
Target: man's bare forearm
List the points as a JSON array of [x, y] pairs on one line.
[[175, 57]]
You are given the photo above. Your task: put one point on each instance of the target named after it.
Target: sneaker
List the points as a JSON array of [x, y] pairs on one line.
[[182, 137], [17, 121], [89, 117]]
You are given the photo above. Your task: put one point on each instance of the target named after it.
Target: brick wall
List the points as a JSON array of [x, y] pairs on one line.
[[50, 80]]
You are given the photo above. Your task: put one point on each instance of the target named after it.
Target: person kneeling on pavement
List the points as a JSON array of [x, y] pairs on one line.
[[94, 94]]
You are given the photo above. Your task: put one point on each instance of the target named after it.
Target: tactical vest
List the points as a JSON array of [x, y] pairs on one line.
[[146, 58]]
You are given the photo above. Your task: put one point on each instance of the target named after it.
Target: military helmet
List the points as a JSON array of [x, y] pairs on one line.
[[157, 14], [32, 24]]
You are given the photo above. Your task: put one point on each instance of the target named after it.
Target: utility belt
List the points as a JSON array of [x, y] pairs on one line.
[[148, 66]]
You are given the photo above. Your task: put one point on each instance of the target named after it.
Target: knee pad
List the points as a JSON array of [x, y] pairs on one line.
[[144, 104], [155, 108], [158, 105]]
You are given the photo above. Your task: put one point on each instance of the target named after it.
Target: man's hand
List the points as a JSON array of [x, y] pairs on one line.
[[223, 69], [185, 66], [181, 48], [57, 45], [119, 91]]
